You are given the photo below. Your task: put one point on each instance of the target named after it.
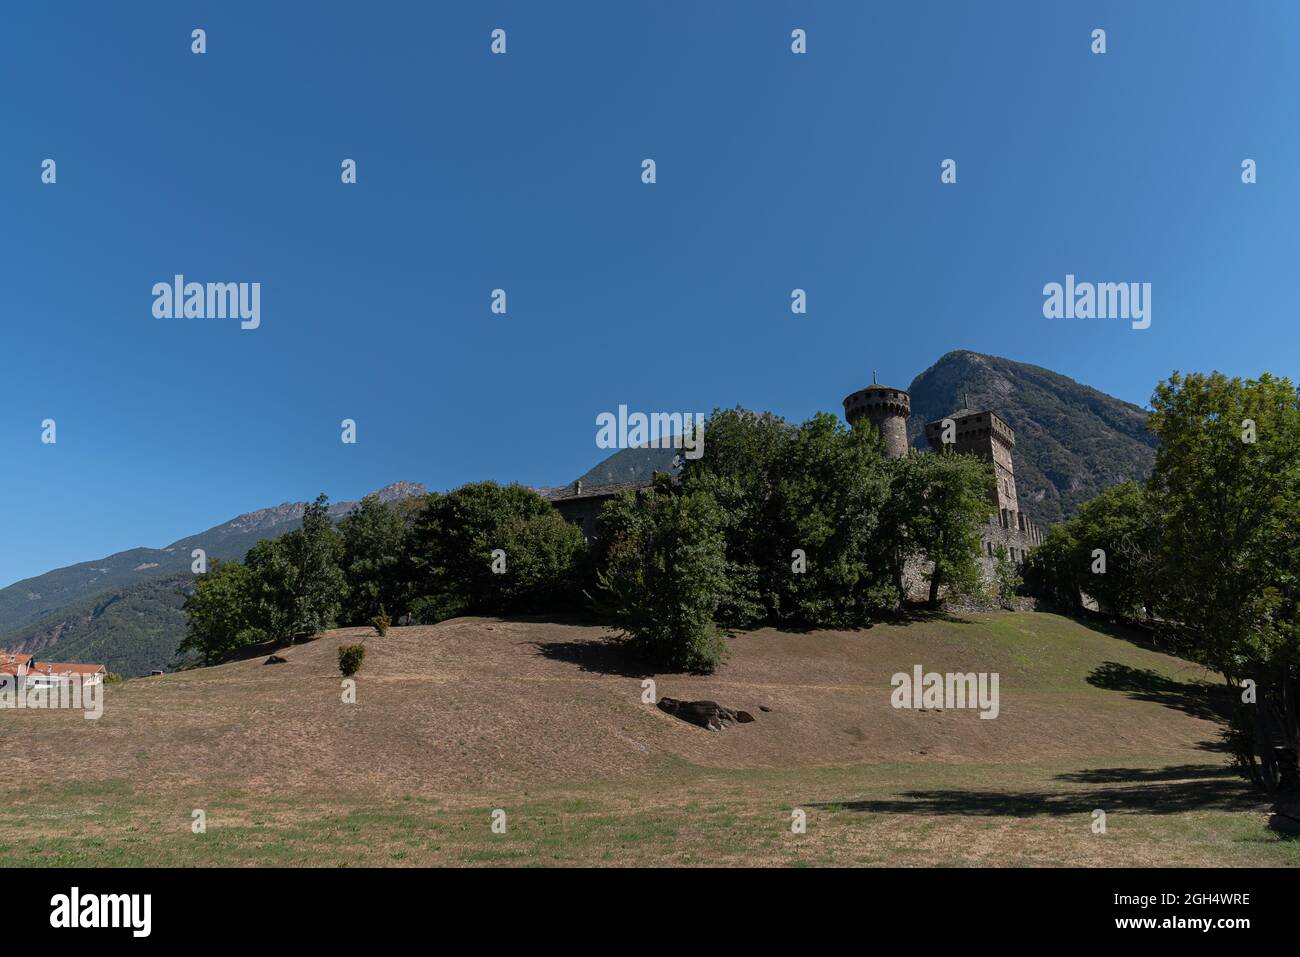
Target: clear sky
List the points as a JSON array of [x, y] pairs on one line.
[[523, 172]]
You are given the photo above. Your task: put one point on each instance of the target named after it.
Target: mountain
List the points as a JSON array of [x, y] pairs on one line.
[[89, 601], [131, 630], [1072, 441], [630, 465]]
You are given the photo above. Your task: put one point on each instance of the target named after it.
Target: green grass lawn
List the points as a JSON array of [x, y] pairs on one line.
[[885, 815]]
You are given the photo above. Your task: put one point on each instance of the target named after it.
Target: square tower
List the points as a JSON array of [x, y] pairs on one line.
[[984, 434]]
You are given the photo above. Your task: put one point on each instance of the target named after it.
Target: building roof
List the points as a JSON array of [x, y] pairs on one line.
[[966, 413], [10, 663], [65, 668], [580, 490]]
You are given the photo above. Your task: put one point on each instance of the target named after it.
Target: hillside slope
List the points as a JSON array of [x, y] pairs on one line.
[[547, 721], [41, 612], [130, 630], [629, 465]]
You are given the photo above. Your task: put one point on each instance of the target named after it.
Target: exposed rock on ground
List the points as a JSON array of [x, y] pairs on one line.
[[707, 714]]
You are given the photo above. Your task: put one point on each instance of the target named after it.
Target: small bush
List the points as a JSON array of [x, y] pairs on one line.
[[350, 658], [251, 636], [112, 678], [381, 622], [1006, 577]]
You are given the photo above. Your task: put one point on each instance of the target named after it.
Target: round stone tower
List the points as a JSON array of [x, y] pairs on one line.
[[885, 408]]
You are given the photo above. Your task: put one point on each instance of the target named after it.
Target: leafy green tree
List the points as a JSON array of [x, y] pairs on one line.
[[1120, 525], [800, 508], [218, 613], [830, 492], [453, 539], [269, 591], [665, 574], [938, 506], [315, 551], [373, 536], [1055, 570], [1226, 493], [296, 585], [740, 468]]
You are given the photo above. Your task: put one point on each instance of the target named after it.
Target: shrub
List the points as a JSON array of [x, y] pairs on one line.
[[381, 622], [251, 636], [1006, 577], [350, 658]]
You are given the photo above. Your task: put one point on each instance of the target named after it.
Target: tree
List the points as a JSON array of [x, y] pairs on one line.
[[830, 491], [492, 548], [373, 544], [315, 551], [1054, 568], [269, 590], [1226, 493], [297, 586], [938, 506], [1120, 526], [665, 574], [739, 470], [217, 614], [800, 509]]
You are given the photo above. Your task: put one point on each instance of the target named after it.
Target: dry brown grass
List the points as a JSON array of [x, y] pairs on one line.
[[546, 720]]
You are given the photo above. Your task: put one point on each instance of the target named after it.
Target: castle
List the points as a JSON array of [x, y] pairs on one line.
[[886, 409], [982, 433]]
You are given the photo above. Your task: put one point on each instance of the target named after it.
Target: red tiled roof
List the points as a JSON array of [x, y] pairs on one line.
[[65, 668], [10, 663]]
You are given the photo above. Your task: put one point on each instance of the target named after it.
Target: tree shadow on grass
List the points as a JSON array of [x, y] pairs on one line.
[[1196, 698], [608, 656], [922, 612], [1149, 790], [1147, 637], [1178, 772]]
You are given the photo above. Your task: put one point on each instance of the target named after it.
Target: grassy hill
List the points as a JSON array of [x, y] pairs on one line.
[[545, 721]]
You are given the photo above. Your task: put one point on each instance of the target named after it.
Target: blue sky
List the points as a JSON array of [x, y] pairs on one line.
[[522, 172]]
